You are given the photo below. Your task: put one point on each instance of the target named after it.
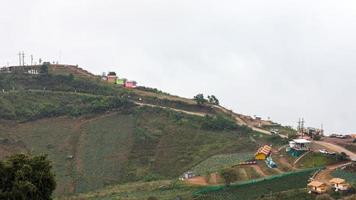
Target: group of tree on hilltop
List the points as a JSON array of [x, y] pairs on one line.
[[200, 99]]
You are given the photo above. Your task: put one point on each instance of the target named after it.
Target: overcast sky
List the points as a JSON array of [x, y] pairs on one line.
[[278, 58]]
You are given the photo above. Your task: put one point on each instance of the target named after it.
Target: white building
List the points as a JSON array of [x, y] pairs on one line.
[[300, 144]]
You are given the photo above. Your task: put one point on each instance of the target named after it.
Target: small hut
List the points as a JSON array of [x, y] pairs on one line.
[[317, 187], [188, 175], [339, 184], [263, 152]]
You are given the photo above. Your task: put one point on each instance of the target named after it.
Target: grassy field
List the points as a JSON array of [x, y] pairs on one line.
[[95, 136], [163, 190], [218, 162], [91, 152], [284, 130], [316, 159], [347, 175], [259, 189]]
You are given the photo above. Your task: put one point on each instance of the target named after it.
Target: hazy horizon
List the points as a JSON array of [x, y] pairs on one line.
[[280, 59]]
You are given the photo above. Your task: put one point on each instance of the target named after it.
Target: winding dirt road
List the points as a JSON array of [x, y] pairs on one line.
[[238, 120], [337, 148]]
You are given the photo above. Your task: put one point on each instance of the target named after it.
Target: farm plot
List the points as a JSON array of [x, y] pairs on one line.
[[256, 189], [348, 176], [218, 162]]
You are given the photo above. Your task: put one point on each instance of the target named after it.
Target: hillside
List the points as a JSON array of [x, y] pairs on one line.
[[98, 134]]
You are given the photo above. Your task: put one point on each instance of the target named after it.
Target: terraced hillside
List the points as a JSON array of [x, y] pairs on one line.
[[98, 134], [146, 144]]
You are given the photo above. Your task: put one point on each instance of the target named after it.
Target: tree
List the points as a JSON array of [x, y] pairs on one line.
[[213, 100], [44, 69], [24, 177], [316, 137], [342, 156], [199, 98], [229, 175]]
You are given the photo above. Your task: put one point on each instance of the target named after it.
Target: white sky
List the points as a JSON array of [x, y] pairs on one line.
[[282, 59]]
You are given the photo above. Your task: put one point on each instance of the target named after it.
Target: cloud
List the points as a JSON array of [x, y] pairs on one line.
[[283, 59]]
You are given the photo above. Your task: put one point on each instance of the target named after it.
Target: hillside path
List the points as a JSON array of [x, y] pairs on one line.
[[300, 157], [239, 121], [325, 174], [337, 149]]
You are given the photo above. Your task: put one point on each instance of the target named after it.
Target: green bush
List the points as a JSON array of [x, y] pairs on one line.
[[218, 123], [32, 105], [23, 177]]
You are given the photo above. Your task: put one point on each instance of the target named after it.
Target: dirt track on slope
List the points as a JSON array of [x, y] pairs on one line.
[[337, 148]]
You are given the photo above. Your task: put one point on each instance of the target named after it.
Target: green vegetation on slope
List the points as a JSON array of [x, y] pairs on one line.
[[65, 83], [144, 143], [218, 162], [259, 189], [347, 175], [31, 105], [98, 148], [283, 130], [162, 190], [316, 159]]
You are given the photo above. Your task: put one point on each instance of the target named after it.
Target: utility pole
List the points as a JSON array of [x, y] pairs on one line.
[[301, 126], [23, 58], [19, 58], [31, 60]]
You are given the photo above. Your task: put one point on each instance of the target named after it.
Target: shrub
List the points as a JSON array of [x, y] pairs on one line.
[[199, 98], [213, 100], [229, 175], [341, 156], [316, 137], [218, 123], [152, 198]]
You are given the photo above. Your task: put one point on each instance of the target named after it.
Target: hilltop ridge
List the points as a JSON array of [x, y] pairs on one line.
[[98, 134]]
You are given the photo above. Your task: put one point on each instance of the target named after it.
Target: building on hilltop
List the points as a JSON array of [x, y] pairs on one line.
[[130, 84], [28, 69], [298, 146], [111, 77]]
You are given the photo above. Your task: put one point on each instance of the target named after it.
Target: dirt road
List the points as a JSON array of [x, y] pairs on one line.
[[337, 148], [325, 175], [238, 120]]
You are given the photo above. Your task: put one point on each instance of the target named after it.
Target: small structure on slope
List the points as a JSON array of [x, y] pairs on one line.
[[270, 163], [130, 84], [120, 81], [263, 152], [298, 146], [317, 187], [188, 175], [339, 184]]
